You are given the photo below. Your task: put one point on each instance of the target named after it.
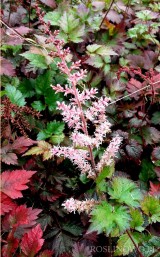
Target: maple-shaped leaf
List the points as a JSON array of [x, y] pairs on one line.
[[32, 241], [8, 157], [9, 249], [21, 144], [109, 219], [46, 253], [151, 247], [13, 182], [154, 189], [6, 204], [137, 220], [151, 207], [7, 67], [125, 244], [125, 191], [21, 215], [80, 250], [42, 148]]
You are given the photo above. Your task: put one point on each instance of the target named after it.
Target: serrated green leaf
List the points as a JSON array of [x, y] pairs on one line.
[[43, 83], [38, 105], [42, 148], [36, 60], [107, 172], [53, 17], [137, 220], [15, 95], [51, 99], [53, 128], [151, 207], [125, 191], [125, 244], [147, 170], [151, 247], [156, 118], [73, 229], [100, 50], [57, 139], [107, 218]]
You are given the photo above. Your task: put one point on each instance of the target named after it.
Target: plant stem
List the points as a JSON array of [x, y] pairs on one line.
[[106, 13], [140, 254]]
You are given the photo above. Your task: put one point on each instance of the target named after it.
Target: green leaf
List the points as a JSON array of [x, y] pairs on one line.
[[156, 118], [38, 105], [43, 83], [42, 148], [137, 220], [53, 17], [71, 27], [73, 229], [57, 139], [125, 244], [100, 50], [53, 128], [15, 95], [36, 60], [151, 247], [151, 207], [107, 218], [125, 191], [107, 172], [147, 170], [27, 87], [51, 99]]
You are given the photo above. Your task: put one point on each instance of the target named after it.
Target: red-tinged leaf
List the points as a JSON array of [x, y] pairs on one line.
[[9, 158], [134, 85], [9, 248], [20, 216], [50, 3], [7, 67], [50, 196], [156, 85], [32, 241], [157, 171], [22, 30], [21, 144], [91, 236], [12, 182], [46, 253], [154, 189], [6, 204]]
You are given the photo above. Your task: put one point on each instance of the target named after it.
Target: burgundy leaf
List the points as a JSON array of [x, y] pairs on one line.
[[9, 248], [20, 215], [50, 3], [6, 204], [21, 144], [154, 189], [32, 241], [7, 67], [134, 85], [12, 182], [46, 253]]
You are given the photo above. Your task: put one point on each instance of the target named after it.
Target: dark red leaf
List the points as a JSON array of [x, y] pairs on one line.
[[154, 189], [157, 171], [50, 3], [22, 30], [9, 248], [134, 85], [32, 241], [7, 67], [6, 204], [21, 144], [12, 182], [20, 215]]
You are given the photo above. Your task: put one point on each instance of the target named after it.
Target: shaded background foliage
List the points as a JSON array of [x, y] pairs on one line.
[[118, 43]]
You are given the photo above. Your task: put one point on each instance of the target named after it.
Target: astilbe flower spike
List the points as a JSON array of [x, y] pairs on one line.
[[72, 205], [84, 107]]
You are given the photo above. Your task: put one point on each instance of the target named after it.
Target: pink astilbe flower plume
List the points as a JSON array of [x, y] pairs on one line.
[[72, 205]]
